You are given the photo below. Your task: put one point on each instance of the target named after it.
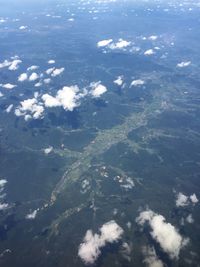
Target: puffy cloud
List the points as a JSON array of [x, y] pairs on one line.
[[15, 64], [149, 52], [5, 63], [23, 27], [137, 82], [90, 249], [57, 72], [97, 89], [8, 86], [9, 108], [50, 101], [194, 199], [183, 64], [3, 182], [189, 218], [151, 259], [23, 77], [34, 76], [182, 200], [67, 97], [153, 37], [104, 43], [120, 44], [50, 70], [3, 206], [48, 150], [33, 67], [30, 108], [51, 61], [164, 233], [32, 215], [119, 80]]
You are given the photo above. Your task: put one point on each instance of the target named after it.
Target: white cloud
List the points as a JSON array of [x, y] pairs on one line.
[[183, 64], [97, 89], [4, 206], [57, 72], [1, 94], [34, 76], [30, 107], [189, 218], [137, 82], [32, 215], [48, 150], [8, 86], [50, 70], [149, 52], [47, 80], [120, 44], [182, 200], [164, 233], [51, 61], [194, 199], [119, 80], [9, 108], [104, 43], [90, 249], [23, 27], [151, 259], [5, 63], [33, 67], [67, 97], [15, 64], [153, 37], [50, 101], [3, 182], [22, 77]]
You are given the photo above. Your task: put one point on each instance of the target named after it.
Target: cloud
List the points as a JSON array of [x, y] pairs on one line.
[[151, 259], [153, 37], [3, 182], [183, 64], [34, 76], [137, 82], [149, 52], [67, 97], [182, 200], [119, 45], [97, 89], [194, 199], [57, 72], [33, 67], [189, 218], [90, 249], [8, 86], [104, 43], [51, 61], [119, 81], [32, 215], [48, 150], [50, 70], [166, 235], [9, 108], [23, 77], [30, 108], [15, 64], [3, 206], [23, 27]]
